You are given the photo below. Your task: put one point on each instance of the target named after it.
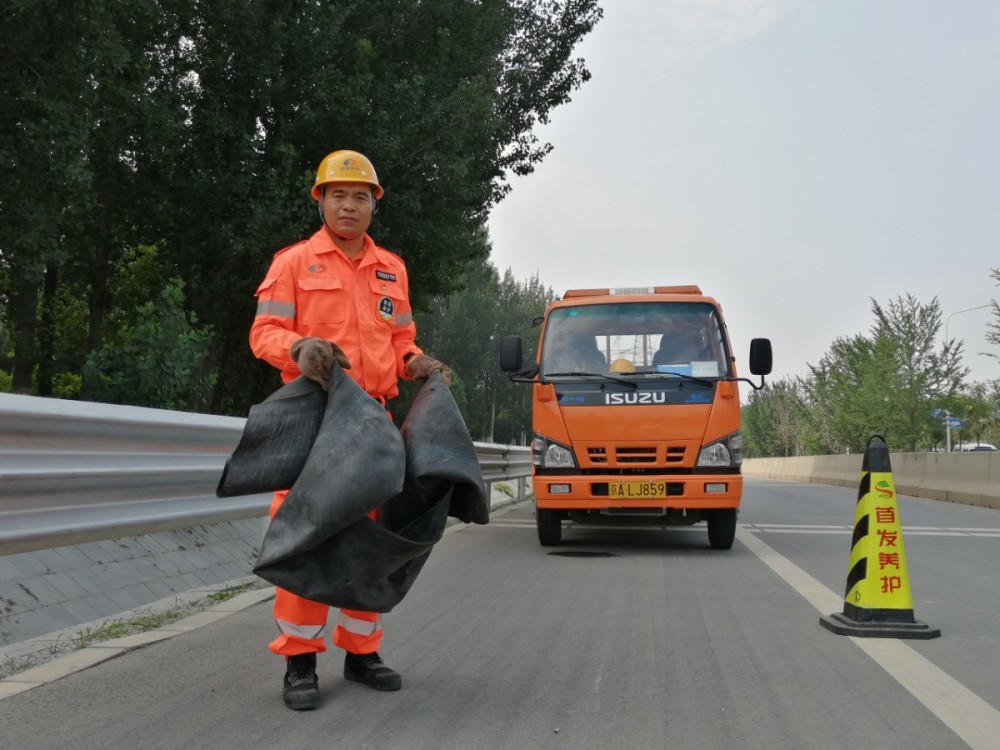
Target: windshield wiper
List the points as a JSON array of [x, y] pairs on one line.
[[592, 375]]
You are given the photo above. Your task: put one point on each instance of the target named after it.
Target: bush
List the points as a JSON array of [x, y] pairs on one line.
[[155, 360]]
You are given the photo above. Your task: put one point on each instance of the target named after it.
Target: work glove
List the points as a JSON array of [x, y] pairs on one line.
[[421, 366], [315, 357]]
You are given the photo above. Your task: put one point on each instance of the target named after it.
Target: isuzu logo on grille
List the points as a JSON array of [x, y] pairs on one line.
[[646, 397]]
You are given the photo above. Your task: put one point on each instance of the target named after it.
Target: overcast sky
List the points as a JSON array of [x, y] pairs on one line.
[[794, 158]]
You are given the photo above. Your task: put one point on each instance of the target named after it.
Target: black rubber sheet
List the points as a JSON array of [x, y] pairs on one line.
[[343, 458]]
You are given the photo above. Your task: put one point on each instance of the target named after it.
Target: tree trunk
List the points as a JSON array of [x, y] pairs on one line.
[[47, 332], [25, 329]]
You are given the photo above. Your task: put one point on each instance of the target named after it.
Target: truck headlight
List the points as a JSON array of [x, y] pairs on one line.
[[548, 455], [725, 452]]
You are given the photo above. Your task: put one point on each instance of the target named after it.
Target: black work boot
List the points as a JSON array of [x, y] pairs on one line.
[[369, 669], [301, 691]]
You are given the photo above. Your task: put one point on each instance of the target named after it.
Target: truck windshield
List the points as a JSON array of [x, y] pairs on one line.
[[642, 339]]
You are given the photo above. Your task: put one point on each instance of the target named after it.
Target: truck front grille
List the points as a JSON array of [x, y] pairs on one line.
[[627, 456], [635, 455]]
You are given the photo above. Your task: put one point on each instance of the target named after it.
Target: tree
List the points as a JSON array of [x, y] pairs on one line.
[[464, 330], [889, 381], [993, 327], [77, 101], [520, 315], [776, 421], [978, 407], [195, 127]]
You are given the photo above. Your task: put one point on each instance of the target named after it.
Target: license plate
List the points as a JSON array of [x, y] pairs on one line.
[[637, 490]]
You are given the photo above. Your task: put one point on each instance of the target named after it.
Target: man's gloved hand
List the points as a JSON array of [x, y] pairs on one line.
[[421, 366], [315, 356]]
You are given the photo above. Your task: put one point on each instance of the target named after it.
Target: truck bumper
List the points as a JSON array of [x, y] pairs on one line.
[[692, 491]]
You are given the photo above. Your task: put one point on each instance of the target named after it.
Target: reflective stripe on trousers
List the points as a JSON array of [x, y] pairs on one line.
[[302, 622]]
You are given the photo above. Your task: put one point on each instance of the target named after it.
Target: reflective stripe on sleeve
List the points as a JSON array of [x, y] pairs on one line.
[[275, 308], [359, 627], [309, 632], [404, 319]]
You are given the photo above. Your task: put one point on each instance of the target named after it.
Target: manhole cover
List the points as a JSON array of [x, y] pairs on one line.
[[581, 553]]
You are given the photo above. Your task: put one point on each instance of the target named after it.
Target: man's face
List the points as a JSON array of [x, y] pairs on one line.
[[348, 208]]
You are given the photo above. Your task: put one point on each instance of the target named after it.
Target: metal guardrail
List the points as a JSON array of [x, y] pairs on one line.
[[73, 472]]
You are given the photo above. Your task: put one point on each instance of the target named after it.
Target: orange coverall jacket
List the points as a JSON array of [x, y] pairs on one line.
[[361, 304]]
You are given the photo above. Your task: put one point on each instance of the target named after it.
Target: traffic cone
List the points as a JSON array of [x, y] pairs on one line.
[[877, 603]]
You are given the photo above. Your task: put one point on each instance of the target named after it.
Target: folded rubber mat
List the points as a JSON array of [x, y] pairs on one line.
[[343, 458]]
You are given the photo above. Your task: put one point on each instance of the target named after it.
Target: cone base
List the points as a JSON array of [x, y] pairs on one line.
[[843, 625]]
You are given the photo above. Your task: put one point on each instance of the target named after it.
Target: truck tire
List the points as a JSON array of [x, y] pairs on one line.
[[722, 528], [549, 524]]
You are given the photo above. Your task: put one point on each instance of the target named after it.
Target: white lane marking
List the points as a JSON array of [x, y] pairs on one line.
[[768, 528], [806, 531], [800, 526], [793, 528], [973, 530], [974, 720]]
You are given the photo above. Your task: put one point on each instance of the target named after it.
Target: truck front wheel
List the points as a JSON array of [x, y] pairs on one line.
[[722, 528], [549, 524]]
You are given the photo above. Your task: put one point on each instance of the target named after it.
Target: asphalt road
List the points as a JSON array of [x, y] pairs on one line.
[[615, 639]]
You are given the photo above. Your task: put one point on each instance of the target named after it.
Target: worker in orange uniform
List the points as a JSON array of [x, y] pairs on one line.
[[337, 296]]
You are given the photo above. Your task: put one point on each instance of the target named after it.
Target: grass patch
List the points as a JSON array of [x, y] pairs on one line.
[[230, 591], [113, 629], [504, 488], [13, 666], [110, 630]]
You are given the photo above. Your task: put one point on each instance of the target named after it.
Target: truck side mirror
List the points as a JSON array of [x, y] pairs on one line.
[[511, 354], [760, 356]]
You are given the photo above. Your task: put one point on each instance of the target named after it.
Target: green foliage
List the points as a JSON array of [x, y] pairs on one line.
[[890, 381], [993, 327], [67, 385], [464, 331], [978, 408], [154, 360], [194, 129], [5, 381], [776, 421]]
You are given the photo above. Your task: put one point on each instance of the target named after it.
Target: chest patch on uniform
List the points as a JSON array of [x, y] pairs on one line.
[[386, 308], [385, 276], [316, 268]]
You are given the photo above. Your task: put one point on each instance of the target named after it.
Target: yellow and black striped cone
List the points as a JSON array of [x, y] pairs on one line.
[[877, 603]]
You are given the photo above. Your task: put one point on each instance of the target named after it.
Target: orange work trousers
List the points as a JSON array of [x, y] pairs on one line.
[[302, 622]]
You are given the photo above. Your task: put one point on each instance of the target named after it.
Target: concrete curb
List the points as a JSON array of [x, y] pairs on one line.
[[49, 651]]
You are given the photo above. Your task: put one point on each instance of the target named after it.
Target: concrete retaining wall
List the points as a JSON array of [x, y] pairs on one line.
[[47, 590], [967, 478]]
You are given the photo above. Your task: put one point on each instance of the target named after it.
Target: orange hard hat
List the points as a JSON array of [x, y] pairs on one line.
[[345, 166]]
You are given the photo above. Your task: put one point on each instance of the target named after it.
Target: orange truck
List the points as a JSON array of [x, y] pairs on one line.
[[635, 411]]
